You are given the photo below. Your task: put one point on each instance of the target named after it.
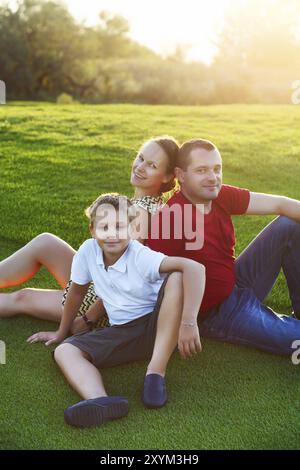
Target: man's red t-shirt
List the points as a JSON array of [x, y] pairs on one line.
[[217, 253]]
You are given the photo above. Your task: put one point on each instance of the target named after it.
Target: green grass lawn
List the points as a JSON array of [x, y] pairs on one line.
[[54, 161]]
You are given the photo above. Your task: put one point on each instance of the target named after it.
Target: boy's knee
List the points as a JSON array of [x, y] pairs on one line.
[[67, 350], [174, 283], [62, 351], [175, 277]]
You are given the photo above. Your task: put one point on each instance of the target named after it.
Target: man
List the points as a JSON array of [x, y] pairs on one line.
[[232, 308]]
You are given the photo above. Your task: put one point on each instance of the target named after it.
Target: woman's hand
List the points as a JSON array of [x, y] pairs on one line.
[[47, 337], [189, 340]]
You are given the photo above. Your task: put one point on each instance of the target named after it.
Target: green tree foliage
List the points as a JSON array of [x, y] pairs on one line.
[[260, 34], [46, 53], [258, 51], [39, 41]]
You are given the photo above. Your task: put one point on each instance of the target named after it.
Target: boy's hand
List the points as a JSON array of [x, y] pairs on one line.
[[189, 340], [47, 337], [78, 326]]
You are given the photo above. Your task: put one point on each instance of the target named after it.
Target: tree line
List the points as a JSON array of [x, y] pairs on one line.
[[47, 55]]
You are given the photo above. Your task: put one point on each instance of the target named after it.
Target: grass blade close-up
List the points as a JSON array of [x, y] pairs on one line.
[[54, 161]]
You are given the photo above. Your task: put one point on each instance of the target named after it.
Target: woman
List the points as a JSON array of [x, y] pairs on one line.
[[152, 174]]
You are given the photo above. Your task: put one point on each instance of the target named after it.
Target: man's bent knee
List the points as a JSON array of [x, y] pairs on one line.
[[286, 222]]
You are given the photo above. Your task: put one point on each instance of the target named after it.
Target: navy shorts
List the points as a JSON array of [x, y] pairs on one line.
[[119, 344]]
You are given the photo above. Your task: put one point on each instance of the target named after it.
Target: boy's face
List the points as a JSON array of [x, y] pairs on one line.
[[111, 229]]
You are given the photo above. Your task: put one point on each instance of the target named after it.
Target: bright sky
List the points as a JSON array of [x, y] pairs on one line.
[[163, 24]]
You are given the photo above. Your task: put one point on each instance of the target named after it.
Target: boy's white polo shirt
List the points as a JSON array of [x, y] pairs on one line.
[[129, 288]]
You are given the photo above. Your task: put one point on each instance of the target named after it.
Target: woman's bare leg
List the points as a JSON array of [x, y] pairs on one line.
[[44, 250], [39, 303]]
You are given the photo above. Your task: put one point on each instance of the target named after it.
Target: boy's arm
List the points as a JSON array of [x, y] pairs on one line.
[[94, 313], [71, 307], [193, 274], [73, 302]]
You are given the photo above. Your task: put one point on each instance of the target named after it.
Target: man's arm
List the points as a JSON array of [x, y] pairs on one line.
[[193, 274], [263, 204]]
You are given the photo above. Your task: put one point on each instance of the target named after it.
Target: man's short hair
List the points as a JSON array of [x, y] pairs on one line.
[[187, 147]]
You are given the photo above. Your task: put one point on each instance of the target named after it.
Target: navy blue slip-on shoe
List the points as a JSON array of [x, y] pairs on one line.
[[155, 392], [94, 412]]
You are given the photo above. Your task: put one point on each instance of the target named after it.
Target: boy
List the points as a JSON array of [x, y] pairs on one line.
[[128, 278]]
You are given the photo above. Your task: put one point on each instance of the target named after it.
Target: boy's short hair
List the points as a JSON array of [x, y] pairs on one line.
[[190, 145], [113, 199]]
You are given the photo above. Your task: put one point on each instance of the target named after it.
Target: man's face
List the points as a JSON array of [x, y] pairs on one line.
[[202, 179], [110, 229]]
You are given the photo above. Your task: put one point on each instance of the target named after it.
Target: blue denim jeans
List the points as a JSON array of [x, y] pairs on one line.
[[242, 318]]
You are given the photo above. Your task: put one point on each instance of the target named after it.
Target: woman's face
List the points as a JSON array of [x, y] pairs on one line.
[[150, 168]]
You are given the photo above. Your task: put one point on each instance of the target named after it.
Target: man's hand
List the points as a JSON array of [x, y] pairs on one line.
[[47, 337], [189, 340]]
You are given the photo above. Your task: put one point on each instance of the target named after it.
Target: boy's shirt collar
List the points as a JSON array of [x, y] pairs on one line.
[[120, 265]]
